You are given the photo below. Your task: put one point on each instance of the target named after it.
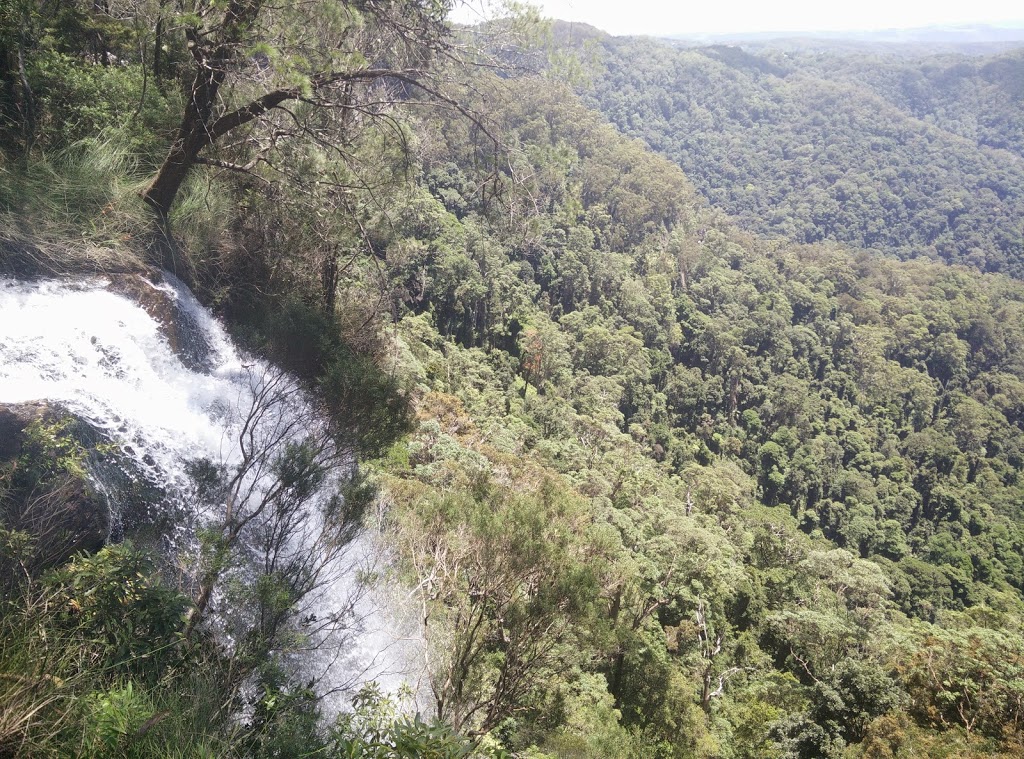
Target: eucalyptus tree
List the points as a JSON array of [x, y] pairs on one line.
[[251, 60]]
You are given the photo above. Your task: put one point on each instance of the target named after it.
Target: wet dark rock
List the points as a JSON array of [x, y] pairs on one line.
[[183, 333], [14, 418], [115, 501]]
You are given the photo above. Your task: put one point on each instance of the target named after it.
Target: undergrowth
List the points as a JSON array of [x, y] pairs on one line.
[[79, 209]]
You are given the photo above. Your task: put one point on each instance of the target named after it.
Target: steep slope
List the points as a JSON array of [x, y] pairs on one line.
[[797, 468], [672, 489]]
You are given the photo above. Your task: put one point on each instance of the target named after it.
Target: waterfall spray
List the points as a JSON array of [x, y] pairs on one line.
[[157, 374]]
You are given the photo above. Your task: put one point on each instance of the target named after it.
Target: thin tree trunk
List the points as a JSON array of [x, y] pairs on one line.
[[705, 694], [193, 136], [195, 132], [27, 101], [100, 52], [615, 682], [158, 49]]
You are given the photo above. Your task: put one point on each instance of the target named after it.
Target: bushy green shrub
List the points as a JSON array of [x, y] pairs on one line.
[[77, 100]]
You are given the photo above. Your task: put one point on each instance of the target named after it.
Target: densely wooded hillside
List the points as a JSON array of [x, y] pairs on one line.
[[917, 157], [785, 442], [657, 486]]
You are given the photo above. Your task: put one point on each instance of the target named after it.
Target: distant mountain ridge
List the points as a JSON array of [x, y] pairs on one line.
[[956, 33]]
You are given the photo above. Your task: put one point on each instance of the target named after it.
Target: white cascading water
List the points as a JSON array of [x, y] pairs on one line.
[[103, 357]]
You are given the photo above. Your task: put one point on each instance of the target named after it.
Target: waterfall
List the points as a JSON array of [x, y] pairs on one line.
[[153, 370]]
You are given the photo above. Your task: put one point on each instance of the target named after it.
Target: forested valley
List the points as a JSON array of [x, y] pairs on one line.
[[714, 461], [893, 150]]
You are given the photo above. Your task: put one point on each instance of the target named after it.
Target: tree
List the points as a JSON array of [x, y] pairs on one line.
[[251, 57], [971, 677], [375, 728], [506, 584], [16, 21], [279, 514]]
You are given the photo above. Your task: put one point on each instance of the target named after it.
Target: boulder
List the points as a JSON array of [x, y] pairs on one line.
[[14, 418]]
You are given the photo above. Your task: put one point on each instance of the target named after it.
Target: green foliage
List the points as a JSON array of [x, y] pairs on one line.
[[510, 623], [376, 730], [899, 154], [92, 663], [80, 101], [111, 602], [370, 406], [896, 736], [777, 441], [113, 716], [48, 508], [971, 678], [49, 450], [670, 490]]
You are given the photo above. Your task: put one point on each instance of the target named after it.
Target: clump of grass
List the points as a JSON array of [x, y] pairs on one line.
[[91, 186], [28, 697], [202, 215], [79, 209], [79, 206]]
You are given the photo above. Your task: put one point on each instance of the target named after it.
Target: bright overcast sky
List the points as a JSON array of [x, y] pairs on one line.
[[664, 17]]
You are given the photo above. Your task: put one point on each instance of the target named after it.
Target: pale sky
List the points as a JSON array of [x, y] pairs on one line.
[[663, 17]]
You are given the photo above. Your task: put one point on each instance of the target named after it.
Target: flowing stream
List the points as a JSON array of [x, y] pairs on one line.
[[148, 366]]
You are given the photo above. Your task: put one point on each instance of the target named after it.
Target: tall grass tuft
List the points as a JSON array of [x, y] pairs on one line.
[[81, 209], [203, 214], [83, 199], [28, 698]]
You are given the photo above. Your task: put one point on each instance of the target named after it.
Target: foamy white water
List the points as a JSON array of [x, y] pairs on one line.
[[105, 358]]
